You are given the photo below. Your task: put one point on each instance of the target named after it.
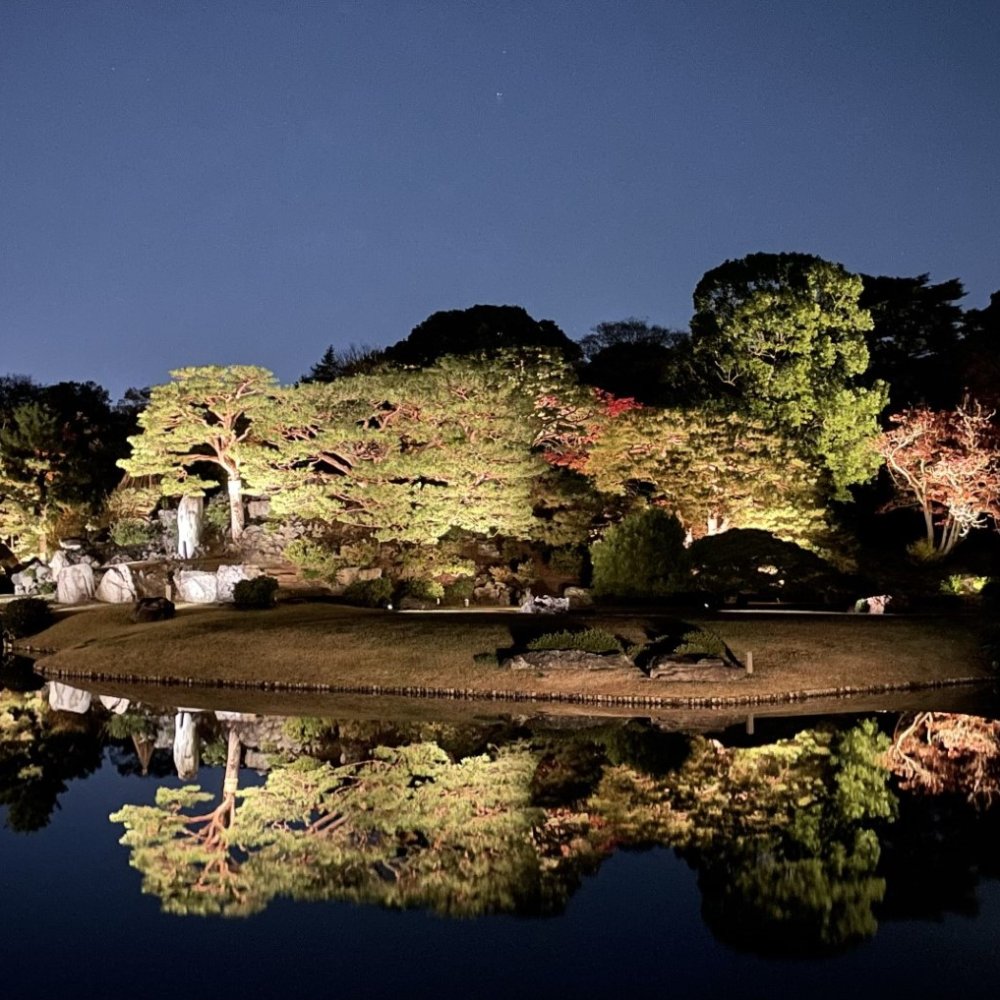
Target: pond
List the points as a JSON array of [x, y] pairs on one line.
[[435, 851]]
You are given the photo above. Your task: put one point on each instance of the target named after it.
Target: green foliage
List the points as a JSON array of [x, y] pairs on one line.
[[206, 416], [642, 558], [963, 585], [25, 616], [411, 456], [783, 336], [370, 593], [314, 560], [593, 640], [132, 532], [216, 514], [459, 591], [420, 590], [703, 641], [714, 471], [256, 593]]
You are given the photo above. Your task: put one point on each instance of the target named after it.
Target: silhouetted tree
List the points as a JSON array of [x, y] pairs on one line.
[[913, 345], [481, 329]]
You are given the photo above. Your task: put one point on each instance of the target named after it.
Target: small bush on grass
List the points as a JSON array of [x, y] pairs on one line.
[[256, 593], [704, 642], [370, 593], [26, 616], [593, 640]]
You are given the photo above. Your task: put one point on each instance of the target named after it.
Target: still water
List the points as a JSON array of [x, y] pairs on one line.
[[490, 856]]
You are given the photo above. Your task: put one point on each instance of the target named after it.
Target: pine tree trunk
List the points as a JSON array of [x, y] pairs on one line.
[[236, 518]]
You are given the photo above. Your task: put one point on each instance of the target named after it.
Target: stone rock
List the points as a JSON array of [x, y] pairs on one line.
[[196, 586], [347, 575], [151, 580], [544, 605], [63, 698], [578, 597], [75, 584], [59, 561], [873, 605], [71, 544], [694, 668], [152, 609], [257, 510], [190, 513], [226, 578], [568, 659], [370, 573], [117, 586]]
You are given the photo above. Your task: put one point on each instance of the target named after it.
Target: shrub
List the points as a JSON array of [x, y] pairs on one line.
[[26, 616], [641, 558], [704, 642], [747, 561], [256, 593], [314, 560], [459, 591], [421, 590], [370, 593], [593, 640], [132, 531]]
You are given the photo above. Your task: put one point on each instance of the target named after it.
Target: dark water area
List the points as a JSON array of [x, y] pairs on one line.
[[492, 855]]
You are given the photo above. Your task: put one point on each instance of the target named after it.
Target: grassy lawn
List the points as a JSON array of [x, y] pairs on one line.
[[331, 647]]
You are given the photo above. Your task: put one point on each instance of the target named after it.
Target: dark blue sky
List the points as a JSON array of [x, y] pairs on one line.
[[247, 182]]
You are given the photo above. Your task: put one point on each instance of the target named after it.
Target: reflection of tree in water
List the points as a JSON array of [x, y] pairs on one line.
[[40, 751], [782, 835], [785, 842], [406, 827], [945, 841]]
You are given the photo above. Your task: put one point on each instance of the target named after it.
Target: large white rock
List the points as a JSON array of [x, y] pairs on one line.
[[75, 584], [190, 512], [117, 586], [196, 586], [63, 698], [226, 578], [59, 561]]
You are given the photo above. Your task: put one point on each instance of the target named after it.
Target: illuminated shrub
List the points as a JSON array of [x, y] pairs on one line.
[[593, 640], [370, 593], [640, 559], [132, 532], [256, 593]]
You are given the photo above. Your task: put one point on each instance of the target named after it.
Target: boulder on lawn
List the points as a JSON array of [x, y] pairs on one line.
[[75, 584], [117, 585], [226, 578], [196, 586]]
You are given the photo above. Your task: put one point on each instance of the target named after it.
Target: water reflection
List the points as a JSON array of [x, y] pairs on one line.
[[801, 845]]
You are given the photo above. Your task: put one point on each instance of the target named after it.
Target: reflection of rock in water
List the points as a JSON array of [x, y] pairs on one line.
[[186, 745], [64, 698]]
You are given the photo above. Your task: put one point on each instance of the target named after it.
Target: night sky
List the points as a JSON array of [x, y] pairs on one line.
[[226, 182]]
